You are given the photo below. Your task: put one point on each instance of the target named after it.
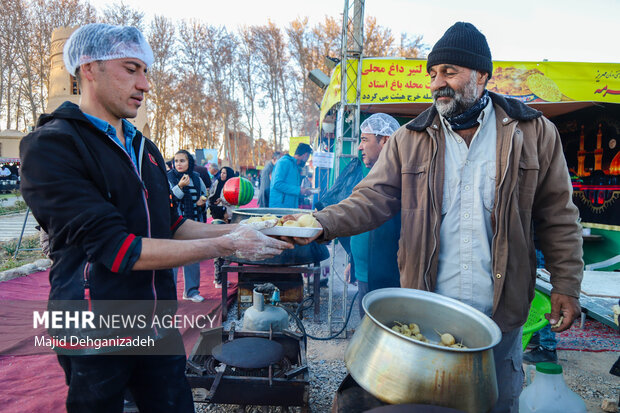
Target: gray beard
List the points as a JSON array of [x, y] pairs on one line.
[[461, 100]]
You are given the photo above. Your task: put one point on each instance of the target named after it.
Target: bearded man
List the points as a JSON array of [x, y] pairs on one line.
[[471, 176]]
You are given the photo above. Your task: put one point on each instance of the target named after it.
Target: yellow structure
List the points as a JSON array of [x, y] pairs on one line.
[[581, 155], [9, 143], [598, 153], [402, 87], [64, 87]]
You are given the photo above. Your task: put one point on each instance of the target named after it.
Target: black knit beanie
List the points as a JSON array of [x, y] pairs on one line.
[[462, 45]]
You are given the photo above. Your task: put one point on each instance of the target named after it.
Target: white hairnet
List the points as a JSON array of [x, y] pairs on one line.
[[99, 41], [380, 124]]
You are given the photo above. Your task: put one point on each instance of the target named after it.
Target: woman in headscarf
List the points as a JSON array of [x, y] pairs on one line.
[[220, 209], [190, 195]]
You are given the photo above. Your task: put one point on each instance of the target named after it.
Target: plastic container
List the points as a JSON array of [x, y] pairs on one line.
[[536, 318], [549, 393]]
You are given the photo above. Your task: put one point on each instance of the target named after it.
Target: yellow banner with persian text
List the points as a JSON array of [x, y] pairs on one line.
[[405, 80]]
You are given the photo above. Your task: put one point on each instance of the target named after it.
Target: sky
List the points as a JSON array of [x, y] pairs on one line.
[[526, 30]]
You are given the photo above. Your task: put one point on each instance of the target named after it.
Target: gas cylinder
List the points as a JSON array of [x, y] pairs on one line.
[[261, 316], [549, 393]]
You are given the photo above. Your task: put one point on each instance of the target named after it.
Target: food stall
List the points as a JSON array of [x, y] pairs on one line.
[[582, 99], [9, 174]]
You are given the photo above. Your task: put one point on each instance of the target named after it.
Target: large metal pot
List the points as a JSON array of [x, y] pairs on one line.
[[300, 255], [399, 370]]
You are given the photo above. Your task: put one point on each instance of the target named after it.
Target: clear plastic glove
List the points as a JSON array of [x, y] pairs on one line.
[[250, 244]]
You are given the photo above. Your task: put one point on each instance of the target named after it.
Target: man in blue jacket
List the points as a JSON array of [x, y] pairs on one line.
[[286, 187], [375, 253], [99, 189]]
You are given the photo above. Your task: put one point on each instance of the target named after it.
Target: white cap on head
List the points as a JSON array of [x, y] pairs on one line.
[[99, 41], [380, 124]]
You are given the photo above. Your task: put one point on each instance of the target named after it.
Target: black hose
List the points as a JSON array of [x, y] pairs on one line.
[[300, 308], [300, 323]]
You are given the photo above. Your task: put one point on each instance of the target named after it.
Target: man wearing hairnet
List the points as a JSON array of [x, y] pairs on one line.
[[375, 252], [99, 189]]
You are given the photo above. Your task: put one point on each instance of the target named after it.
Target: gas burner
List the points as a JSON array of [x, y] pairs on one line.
[[279, 369], [284, 381]]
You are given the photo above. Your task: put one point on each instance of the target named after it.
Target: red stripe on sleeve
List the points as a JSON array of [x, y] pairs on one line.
[[122, 251], [174, 226]]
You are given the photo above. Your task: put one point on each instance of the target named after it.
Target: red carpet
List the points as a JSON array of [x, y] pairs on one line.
[[36, 383], [594, 336]]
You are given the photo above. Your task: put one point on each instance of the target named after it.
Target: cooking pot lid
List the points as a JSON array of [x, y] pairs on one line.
[[249, 352], [412, 408]]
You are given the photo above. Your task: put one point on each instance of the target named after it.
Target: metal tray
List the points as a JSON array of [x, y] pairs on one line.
[[299, 232]]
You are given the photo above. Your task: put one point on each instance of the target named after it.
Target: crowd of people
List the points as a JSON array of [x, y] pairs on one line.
[[9, 177]]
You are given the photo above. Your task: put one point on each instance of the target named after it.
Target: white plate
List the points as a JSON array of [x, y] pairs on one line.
[[300, 232]]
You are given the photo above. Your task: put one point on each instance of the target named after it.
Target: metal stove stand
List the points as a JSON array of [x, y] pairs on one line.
[[281, 276]]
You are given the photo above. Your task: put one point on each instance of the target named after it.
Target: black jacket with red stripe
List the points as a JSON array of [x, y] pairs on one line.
[[96, 205]]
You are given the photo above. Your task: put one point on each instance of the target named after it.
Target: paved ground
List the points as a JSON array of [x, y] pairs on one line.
[[11, 201], [11, 226]]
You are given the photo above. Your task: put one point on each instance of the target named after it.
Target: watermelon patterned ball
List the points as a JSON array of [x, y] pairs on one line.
[[238, 191]]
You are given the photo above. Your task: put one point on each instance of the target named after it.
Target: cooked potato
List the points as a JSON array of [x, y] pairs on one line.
[[291, 224], [413, 330], [308, 221], [447, 339]]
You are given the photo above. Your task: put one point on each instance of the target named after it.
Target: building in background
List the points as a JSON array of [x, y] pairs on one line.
[[9, 144]]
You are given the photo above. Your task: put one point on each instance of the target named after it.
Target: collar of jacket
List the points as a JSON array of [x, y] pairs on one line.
[[67, 110], [71, 111], [513, 108]]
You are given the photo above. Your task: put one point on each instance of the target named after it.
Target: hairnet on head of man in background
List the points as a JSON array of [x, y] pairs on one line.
[[380, 124], [99, 41]]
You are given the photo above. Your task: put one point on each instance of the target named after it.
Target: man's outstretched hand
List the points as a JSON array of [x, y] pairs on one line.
[[302, 241], [564, 310]]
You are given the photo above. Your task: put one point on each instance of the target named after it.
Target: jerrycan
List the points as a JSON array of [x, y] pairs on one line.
[[549, 393]]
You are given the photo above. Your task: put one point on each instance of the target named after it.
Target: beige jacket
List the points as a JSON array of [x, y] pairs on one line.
[[532, 188]]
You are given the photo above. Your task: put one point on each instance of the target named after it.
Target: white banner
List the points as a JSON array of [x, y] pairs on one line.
[[323, 159]]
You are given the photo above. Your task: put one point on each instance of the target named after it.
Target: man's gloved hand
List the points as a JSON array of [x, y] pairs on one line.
[[250, 244]]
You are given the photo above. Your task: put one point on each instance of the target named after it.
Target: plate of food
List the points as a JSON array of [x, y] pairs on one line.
[[304, 226]]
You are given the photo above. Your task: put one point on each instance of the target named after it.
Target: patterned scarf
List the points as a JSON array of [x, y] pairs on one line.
[[469, 118]]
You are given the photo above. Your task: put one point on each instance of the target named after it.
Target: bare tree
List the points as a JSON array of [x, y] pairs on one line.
[[305, 56], [25, 40], [378, 40], [412, 46], [9, 25], [247, 63], [162, 79], [122, 15], [47, 15], [271, 52], [207, 60], [220, 50], [208, 85]]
